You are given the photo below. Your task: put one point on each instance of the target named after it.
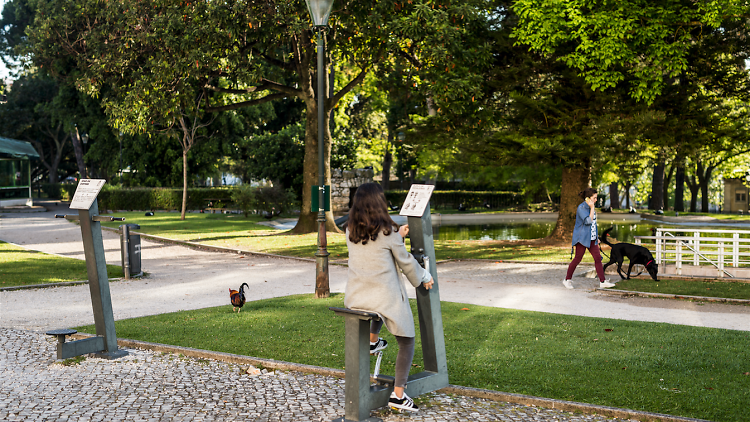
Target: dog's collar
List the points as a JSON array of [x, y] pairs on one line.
[[649, 262]]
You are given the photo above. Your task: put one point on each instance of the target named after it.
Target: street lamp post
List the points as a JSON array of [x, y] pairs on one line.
[[320, 10]]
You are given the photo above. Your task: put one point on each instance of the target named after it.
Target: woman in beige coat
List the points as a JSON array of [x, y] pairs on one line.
[[376, 252]]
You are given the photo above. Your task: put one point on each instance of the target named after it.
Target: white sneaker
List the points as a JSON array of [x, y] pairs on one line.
[[605, 284], [568, 284], [404, 403]]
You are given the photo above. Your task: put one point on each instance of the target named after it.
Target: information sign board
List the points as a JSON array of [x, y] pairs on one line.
[[86, 193], [417, 200]]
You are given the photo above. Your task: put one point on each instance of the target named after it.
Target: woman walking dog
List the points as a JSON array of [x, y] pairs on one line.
[[586, 236], [374, 282]]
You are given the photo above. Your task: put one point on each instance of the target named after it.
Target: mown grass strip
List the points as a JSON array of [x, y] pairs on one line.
[[687, 287], [663, 368], [24, 267]]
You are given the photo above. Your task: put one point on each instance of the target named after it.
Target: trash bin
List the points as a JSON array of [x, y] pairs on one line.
[[130, 250]]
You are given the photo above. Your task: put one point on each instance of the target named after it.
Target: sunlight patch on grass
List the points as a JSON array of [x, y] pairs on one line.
[[23, 267]]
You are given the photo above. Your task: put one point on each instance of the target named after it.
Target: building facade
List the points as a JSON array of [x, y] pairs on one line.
[[735, 196]]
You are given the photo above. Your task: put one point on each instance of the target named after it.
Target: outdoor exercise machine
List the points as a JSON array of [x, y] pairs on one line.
[[104, 345], [360, 396]]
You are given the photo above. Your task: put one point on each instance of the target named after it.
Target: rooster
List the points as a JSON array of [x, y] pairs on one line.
[[238, 297]]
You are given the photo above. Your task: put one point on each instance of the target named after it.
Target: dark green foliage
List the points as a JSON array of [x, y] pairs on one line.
[[156, 161], [61, 191], [274, 156], [245, 199], [275, 199], [268, 199], [112, 198]]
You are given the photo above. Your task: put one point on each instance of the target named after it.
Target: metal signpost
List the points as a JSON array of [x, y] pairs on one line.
[[104, 345], [361, 397]]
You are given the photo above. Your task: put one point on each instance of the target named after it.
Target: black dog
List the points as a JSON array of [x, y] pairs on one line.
[[635, 253]]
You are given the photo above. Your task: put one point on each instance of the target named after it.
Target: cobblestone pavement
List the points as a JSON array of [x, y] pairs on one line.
[[151, 386]]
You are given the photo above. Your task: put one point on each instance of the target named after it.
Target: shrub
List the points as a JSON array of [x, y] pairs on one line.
[[245, 198], [116, 198], [275, 200]]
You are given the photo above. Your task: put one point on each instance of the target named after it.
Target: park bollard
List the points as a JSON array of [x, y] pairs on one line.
[[130, 250]]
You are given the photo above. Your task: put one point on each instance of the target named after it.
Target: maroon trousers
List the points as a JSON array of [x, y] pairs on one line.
[[580, 250]]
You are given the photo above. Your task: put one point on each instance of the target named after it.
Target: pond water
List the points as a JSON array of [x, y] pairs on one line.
[[623, 231]]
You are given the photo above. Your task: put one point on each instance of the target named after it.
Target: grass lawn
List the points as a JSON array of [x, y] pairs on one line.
[[688, 287], [739, 217], [23, 267], [678, 370]]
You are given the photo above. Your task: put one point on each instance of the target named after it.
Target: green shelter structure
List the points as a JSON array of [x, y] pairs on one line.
[[15, 172]]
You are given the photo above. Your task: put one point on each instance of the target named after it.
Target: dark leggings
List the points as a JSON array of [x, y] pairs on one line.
[[580, 249], [404, 357]]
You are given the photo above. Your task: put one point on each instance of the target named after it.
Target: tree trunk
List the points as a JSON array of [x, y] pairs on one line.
[[614, 195], [307, 222], [668, 172], [694, 188], [704, 178], [387, 161], [627, 195], [657, 188], [79, 155], [679, 189], [573, 181], [184, 183]]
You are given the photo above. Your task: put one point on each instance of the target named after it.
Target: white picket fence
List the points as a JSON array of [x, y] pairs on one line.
[[723, 249]]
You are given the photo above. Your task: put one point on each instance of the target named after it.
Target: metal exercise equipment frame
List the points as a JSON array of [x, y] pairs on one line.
[[104, 345], [360, 396]]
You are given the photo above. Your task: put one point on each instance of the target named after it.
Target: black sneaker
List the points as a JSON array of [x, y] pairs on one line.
[[405, 403], [378, 346]]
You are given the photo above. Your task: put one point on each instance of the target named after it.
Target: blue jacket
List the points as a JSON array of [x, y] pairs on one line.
[[582, 229]]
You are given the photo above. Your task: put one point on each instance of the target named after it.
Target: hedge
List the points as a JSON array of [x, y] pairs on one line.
[[115, 198], [61, 191], [470, 199]]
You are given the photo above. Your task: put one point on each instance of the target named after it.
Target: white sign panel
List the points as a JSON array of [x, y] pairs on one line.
[[86, 193], [417, 200]]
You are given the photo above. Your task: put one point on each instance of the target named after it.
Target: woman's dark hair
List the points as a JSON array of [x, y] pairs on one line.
[[586, 193], [369, 214]]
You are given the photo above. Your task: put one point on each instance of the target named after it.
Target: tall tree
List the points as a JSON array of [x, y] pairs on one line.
[[143, 57], [30, 115], [659, 37], [666, 43]]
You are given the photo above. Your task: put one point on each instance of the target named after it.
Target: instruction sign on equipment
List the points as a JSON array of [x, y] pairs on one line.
[[86, 193], [417, 200]]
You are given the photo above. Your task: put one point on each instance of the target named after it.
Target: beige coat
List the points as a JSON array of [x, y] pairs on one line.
[[375, 283]]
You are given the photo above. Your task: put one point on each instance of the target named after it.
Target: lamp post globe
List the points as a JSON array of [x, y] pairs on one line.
[[320, 10]]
